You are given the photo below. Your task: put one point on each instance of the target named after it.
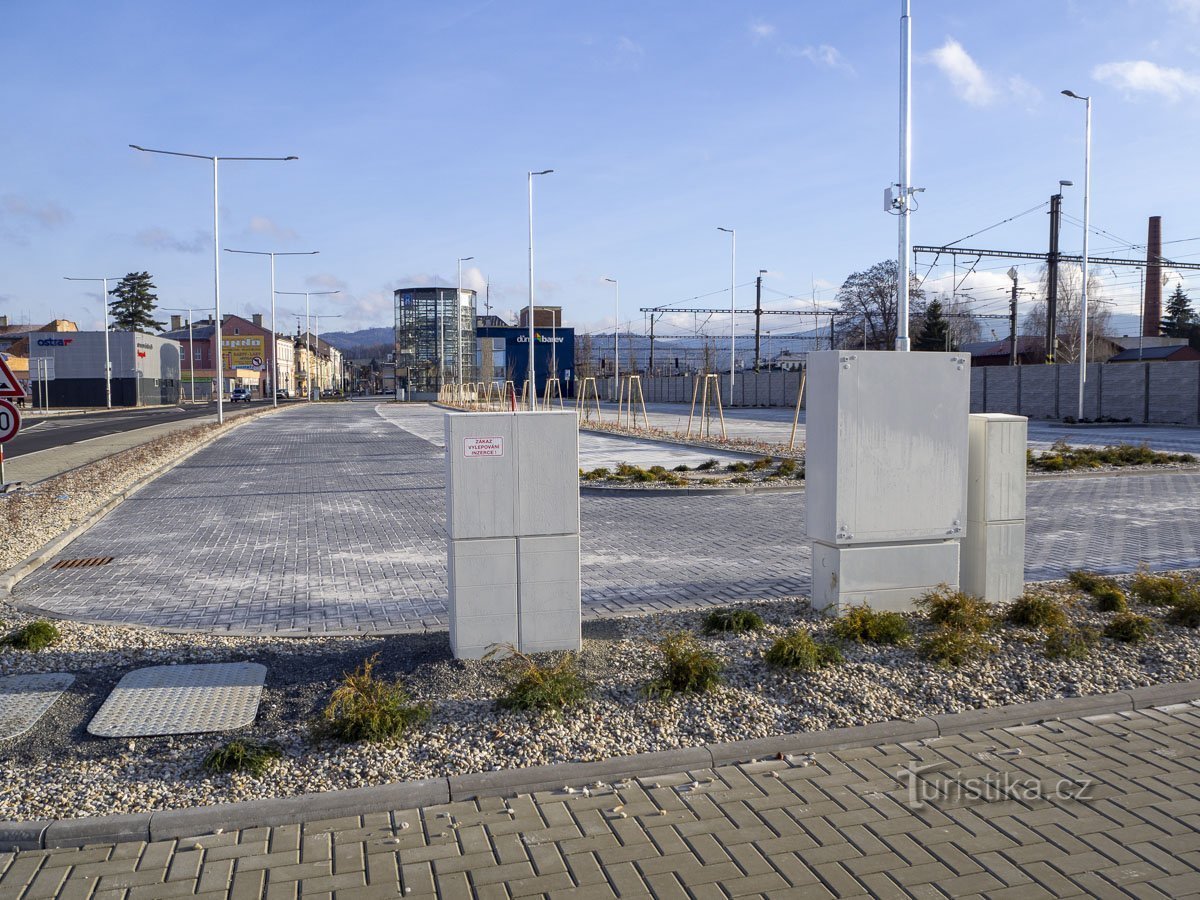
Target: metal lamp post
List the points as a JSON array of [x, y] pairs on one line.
[[107, 357], [217, 252], [458, 305], [532, 345], [191, 344], [616, 337], [1087, 188], [732, 232], [274, 349], [317, 341], [307, 332]]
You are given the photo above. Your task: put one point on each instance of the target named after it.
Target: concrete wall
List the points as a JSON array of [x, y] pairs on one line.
[[750, 389]]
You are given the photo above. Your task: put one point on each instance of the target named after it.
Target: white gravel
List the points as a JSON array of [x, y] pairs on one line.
[[59, 771]]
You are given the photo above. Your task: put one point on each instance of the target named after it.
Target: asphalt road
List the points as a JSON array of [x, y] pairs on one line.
[[57, 431]]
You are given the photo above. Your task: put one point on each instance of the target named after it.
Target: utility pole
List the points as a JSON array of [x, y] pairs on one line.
[[1012, 323], [757, 316], [650, 365], [1052, 279]]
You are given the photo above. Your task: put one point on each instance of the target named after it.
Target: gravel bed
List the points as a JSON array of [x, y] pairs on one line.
[[57, 770], [37, 514]]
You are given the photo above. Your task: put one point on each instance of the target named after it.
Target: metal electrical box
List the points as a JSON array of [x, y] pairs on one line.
[[512, 520], [993, 556], [886, 462]]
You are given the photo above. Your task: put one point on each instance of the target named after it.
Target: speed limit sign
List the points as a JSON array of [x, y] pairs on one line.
[[10, 421]]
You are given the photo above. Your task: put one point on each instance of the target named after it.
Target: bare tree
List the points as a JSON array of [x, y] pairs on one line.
[[867, 301], [964, 327], [584, 364], [1070, 306]]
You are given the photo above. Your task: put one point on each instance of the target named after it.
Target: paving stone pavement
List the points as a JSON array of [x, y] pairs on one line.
[[1103, 806], [331, 519]]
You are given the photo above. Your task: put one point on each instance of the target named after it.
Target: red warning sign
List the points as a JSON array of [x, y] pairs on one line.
[[9, 386]]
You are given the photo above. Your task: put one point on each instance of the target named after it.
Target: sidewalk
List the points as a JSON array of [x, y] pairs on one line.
[[1107, 805]]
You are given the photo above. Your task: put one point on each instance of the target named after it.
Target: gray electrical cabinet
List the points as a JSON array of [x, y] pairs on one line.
[[993, 556]]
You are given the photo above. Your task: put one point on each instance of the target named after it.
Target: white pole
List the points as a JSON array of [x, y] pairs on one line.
[[905, 241], [458, 316], [107, 356], [308, 351], [191, 355], [1087, 186], [617, 336], [732, 309], [274, 343], [317, 351], [1141, 308], [220, 361], [532, 389]]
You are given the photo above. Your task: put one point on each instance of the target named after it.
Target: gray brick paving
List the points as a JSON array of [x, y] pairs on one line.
[[843, 824], [332, 519]]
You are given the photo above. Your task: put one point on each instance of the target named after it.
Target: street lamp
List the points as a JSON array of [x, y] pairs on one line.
[[107, 357], [274, 354], [458, 304], [1087, 188], [532, 383], [191, 345], [307, 294], [616, 337], [317, 341], [732, 232], [217, 252]]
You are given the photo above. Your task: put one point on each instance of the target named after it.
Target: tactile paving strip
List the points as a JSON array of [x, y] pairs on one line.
[[25, 698], [181, 700]]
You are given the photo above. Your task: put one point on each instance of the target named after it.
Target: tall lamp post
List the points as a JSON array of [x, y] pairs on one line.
[[217, 253], [191, 345], [107, 357], [458, 305], [307, 326], [532, 345], [317, 341], [732, 232], [1087, 189], [616, 337], [274, 353]]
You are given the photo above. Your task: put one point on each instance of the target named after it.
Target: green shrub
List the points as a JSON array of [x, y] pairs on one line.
[[786, 468], [365, 708], [1186, 611], [868, 626], [707, 466], [738, 466], [674, 480], [709, 482], [1166, 589], [242, 756], [950, 646], [1064, 642], [1062, 455], [641, 476], [1036, 610], [741, 479], [956, 609], [544, 687], [687, 668], [1129, 628], [1109, 597], [596, 474], [657, 471], [763, 463], [35, 636], [798, 650], [735, 621], [1084, 580], [681, 468]]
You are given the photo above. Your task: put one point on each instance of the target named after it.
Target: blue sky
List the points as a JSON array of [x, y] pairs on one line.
[[416, 123]]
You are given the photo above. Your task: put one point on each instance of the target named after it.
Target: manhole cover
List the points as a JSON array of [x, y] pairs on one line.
[[85, 563], [181, 700], [25, 698]]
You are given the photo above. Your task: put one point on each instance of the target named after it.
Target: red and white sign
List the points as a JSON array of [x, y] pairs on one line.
[[477, 447], [10, 421], [9, 386]]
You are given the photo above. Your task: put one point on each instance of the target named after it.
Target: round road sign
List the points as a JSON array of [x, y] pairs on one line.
[[10, 421], [257, 362]]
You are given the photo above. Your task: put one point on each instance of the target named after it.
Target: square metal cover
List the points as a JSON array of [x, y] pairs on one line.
[[181, 700], [25, 698]]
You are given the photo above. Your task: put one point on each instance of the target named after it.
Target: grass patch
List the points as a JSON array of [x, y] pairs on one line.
[[687, 668], [738, 466], [957, 610], [366, 708], [1064, 642], [1166, 589], [786, 468], [1063, 457], [707, 466], [596, 474], [1109, 597], [949, 646], [864, 625], [732, 621], [1036, 610], [1186, 612], [1129, 628], [797, 650], [35, 636], [547, 687], [762, 464], [242, 756]]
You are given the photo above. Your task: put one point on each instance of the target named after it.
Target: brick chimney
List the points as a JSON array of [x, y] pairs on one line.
[[1152, 311], [176, 322], [257, 317]]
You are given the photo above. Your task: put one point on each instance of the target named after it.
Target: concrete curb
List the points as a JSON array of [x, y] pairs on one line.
[[694, 492], [49, 550], [177, 824]]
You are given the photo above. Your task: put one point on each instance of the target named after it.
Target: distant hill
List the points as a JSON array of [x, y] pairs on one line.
[[351, 341]]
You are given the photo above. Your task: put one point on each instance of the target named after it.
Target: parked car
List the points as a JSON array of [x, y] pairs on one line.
[[282, 394], [242, 394]]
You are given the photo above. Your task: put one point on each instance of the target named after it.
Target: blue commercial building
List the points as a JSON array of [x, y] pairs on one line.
[[503, 355]]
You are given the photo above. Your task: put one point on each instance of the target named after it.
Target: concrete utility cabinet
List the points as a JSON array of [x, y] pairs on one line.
[[886, 483], [512, 518], [993, 555]]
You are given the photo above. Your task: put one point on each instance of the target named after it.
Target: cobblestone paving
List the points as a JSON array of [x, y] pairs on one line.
[[331, 519], [1105, 806]]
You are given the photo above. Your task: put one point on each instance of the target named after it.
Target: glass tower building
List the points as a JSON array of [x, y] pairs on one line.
[[428, 324]]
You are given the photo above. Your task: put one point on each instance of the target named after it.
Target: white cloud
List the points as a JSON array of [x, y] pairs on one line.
[[1189, 8], [969, 81], [1024, 92], [824, 55], [263, 225], [760, 30], [326, 282], [1143, 76], [629, 47], [48, 215], [161, 239]]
